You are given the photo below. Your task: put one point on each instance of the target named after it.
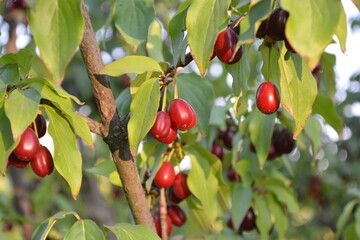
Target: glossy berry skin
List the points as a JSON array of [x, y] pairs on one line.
[[172, 197], [225, 46], [13, 160], [284, 142], [267, 98], [165, 176], [217, 150], [232, 175], [177, 215], [263, 29], [228, 137], [181, 189], [276, 25], [40, 125], [249, 221], [180, 114], [28, 145], [43, 163], [161, 127], [170, 137], [193, 119], [157, 222]]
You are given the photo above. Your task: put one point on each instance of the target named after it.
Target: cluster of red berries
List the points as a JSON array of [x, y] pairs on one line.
[[225, 46], [247, 224], [274, 27], [180, 115], [16, 4], [282, 142], [29, 150], [267, 98], [178, 190]]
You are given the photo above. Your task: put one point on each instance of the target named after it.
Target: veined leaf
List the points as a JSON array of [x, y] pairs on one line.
[[23, 58], [154, 44], [85, 230], [263, 218], [345, 217], [341, 30], [132, 19], [67, 157], [125, 231], [143, 112], [9, 74], [241, 201], [276, 209], [204, 20], [57, 27], [313, 130], [131, 64]]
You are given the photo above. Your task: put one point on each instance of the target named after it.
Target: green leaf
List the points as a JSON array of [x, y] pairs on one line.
[[357, 221], [7, 143], [298, 88], [313, 130], [21, 108], [67, 157], [154, 43], [9, 74], [131, 64], [107, 169], [176, 29], [198, 220], [204, 20], [322, 18], [345, 217], [23, 58], [200, 94], [242, 167], [261, 130], [324, 106], [240, 73], [85, 230], [143, 112], [241, 201], [341, 30], [357, 3], [263, 218], [283, 193], [123, 102], [256, 13], [132, 19], [125, 231], [44, 228], [140, 79], [57, 27], [281, 220], [78, 123]]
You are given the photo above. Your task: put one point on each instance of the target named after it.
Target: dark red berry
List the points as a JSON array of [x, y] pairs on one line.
[[16, 4], [272, 152], [262, 30], [229, 222], [217, 150], [228, 137], [180, 114], [225, 47], [267, 98], [276, 25], [317, 68], [249, 221], [177, 215], [172, 197], [170, 137], [28, 145], [252, 147], [284, 142], [157, 222], [126, 81], [42, 164], [165, 176], [40, 125], [232, 175], [13, 160], [193, 119], [161, 127], [181, 189]]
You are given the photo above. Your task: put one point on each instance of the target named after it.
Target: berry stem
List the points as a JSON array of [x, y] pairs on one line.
[[163, 214], [176, 94], [163, 107]]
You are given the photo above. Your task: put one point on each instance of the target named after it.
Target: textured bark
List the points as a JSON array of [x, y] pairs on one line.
[[114, 128]]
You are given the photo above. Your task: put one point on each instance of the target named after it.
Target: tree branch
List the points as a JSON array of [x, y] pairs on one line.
[[114, 129], [95, 127]]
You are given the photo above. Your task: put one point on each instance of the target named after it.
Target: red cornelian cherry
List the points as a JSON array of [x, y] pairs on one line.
[[181, 189], [180, 114], [276, 24], [177, 215], [267, 98], [225, 46], [40, 125], [217, 150], [161, 127], [157, 222], [170, 137], [42, 164], [165, 176], [28, 145], [13, 160], [249, 221]]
